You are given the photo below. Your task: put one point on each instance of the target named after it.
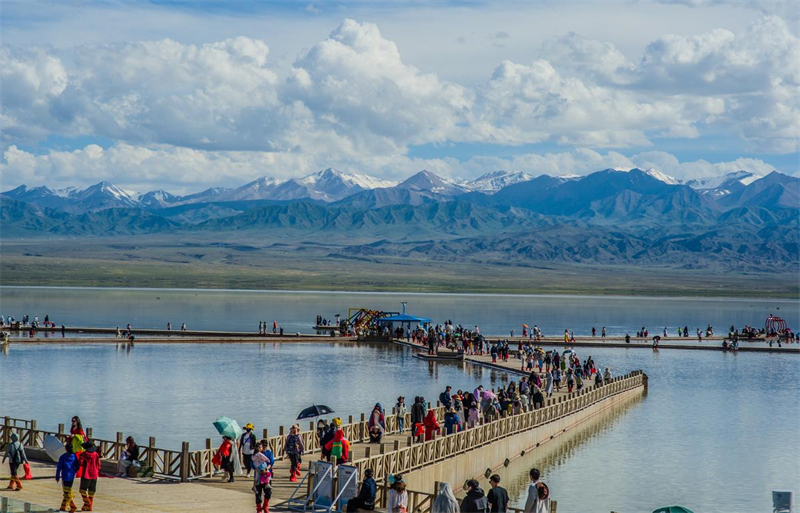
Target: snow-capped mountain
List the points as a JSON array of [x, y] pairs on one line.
[[158, 199], [329, 185], [743, 177], [655, 173], [258, 189], [103, 195], [431, 182], [492, 182]]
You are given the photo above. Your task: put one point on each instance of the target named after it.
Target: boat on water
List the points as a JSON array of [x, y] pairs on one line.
[[441, 356]]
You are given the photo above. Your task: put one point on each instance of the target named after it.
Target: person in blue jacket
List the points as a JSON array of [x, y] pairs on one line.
[[452, 424], [67, 468], [366, 497]]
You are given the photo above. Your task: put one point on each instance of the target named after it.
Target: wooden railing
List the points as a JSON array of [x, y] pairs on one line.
[[184, 464], [415, 456]]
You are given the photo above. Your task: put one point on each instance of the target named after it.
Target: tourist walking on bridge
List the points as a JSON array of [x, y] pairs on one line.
[[497, 496], [400, 410], [431, 425], [294, 449], [417, 415], [15, 454], [247, 445], [90, 466], [446, 501], [262, 487], [445, 398], [66, 469], [475, 501]]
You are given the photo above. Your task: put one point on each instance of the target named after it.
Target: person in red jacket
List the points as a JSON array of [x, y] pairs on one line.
[[431, 425], [339, 447], [90, 465]]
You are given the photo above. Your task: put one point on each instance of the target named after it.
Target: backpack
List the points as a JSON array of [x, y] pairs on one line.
[[336, 450]]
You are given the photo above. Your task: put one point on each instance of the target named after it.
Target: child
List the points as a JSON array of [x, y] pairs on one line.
[[15, 453], [68, 465], [90, 466]]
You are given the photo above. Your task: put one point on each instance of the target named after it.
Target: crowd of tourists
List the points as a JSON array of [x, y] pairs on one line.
[[496, 500]]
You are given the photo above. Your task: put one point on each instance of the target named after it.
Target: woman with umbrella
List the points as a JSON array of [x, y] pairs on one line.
[[377, 424]]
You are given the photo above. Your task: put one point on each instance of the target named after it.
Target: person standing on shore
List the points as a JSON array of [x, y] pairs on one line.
[[66, 469], [76, 437], [15, 454], [603, 333], [90, 466]]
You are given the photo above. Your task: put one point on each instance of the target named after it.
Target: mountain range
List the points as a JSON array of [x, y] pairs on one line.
[[618, 216]]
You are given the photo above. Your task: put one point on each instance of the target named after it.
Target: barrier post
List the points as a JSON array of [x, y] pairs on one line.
[[185, 462]]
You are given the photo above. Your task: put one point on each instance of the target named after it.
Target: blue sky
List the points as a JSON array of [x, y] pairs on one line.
[[191, 94]]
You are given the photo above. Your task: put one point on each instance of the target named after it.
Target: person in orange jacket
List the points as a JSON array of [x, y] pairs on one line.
[[431, 425], [339, 447], [90, 465]]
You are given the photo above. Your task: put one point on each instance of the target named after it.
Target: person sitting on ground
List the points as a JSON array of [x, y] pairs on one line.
[[366, 496], [128, 456], [497, 496], [475, 501]]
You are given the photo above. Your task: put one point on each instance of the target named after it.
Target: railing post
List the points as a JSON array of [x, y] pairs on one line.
[[61, 429], [89, 433], [367, 452], [282, 431], [6, 430], [33, 433], [118, 446], [185, 462], [209, 448], [265, 433], [151, 453], [396, 445]]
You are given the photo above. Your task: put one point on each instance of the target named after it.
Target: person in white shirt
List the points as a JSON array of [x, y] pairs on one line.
[[538, 494], [398, 496]]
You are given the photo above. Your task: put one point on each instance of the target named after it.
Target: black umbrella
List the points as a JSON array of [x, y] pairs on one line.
[[314, 411]]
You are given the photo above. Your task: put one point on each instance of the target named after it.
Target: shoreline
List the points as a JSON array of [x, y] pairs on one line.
[[629, 295]]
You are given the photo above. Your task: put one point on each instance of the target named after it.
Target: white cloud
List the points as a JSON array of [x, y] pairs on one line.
[[216, 112]]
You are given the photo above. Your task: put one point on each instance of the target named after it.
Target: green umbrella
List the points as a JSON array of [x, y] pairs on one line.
[[228, 427], [673, 509]]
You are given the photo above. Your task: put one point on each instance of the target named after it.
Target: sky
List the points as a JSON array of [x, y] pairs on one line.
[[184, 95]]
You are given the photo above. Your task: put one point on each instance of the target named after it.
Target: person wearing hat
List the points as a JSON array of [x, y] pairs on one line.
[[398, 496], [90, 465], [247, 444], [366, 496], [338, 447], [294, 449], [400, 409], [452, 424]]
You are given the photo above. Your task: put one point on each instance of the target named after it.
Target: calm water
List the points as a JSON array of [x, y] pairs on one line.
[[297, 311], [717, 432]]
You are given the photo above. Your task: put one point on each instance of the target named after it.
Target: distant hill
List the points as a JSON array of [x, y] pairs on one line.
[[613, 216]]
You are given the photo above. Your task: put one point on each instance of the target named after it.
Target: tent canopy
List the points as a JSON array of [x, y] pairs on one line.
[[403, 318]]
